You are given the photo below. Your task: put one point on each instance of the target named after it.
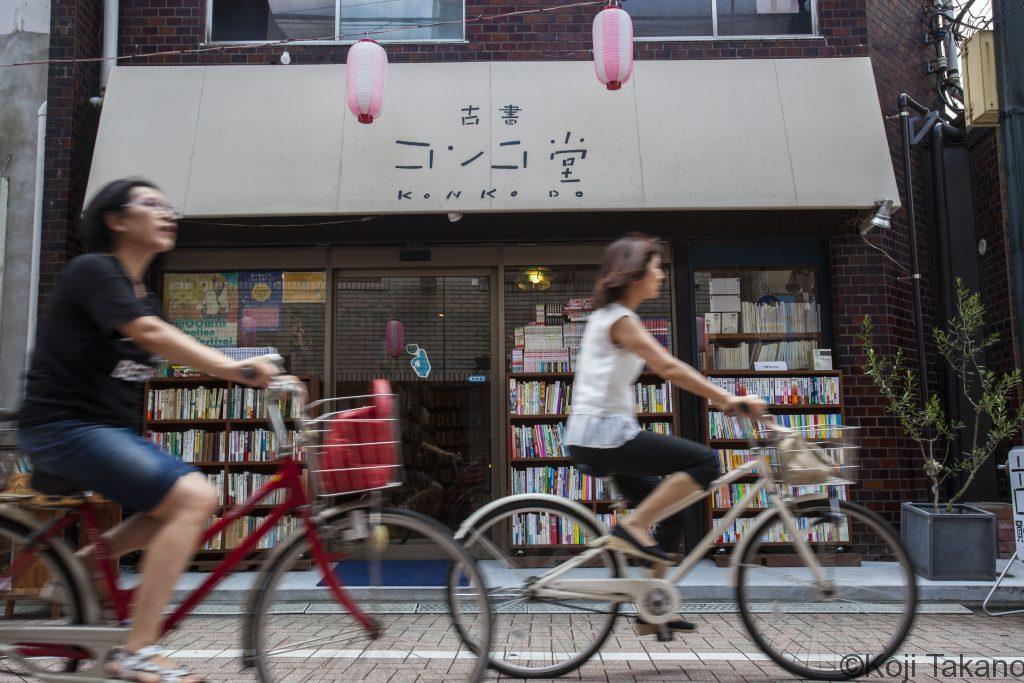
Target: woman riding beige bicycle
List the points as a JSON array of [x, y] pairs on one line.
[[603, 433], [99, 341]]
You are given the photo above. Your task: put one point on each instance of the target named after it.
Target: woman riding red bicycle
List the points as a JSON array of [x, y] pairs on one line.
[[99, 341]]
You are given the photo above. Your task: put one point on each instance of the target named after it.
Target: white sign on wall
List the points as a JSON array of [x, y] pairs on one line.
[[1016, 467]]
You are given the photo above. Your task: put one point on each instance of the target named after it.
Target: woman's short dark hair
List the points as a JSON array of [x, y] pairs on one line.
[[625, 261], [111, 198]]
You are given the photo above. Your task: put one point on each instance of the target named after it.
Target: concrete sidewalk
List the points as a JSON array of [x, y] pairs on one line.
[[706, 584]]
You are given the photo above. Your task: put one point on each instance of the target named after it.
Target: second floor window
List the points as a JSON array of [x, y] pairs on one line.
[[720, 18], [335, 20]]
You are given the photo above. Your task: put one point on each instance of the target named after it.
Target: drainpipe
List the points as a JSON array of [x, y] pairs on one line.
[[110, 9], [37, 233], [906, 103]]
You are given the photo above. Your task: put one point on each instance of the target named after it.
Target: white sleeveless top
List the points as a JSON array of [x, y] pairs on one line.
[[603, 413]]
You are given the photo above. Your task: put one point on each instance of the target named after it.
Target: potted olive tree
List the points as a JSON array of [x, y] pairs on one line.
[[946, 539]]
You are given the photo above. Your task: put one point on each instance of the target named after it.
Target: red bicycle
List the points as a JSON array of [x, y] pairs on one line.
[[299, 605]]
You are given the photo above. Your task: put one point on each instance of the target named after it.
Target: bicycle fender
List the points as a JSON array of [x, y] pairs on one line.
[[488, 509], [91, 609]]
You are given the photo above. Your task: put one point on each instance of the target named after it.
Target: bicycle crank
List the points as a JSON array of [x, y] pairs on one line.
[[657, 601], [93, 643]]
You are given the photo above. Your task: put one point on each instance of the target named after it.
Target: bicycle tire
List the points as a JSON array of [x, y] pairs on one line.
[[851, 665], [58, 561], [265, 588], [613, 562]]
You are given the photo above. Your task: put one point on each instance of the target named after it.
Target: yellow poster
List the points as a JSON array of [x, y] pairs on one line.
[[205, 305], [305, 288]]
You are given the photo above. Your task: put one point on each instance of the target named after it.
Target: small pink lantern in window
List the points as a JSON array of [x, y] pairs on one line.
[[613, 46], [367, 75]]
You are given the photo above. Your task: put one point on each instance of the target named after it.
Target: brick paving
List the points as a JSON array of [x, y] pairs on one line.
[[718, 651]]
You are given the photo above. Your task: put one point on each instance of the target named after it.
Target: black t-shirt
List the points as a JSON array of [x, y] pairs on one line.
[[82, 368]]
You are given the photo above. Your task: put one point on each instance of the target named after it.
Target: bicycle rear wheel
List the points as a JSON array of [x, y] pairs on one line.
[[395, 566], [842, 628], [539, 637], [36, 589]]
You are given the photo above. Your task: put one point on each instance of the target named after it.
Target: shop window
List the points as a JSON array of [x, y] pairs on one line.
[[555, 299], [760, 315], [282, 310], [335, 20], [721, 18], [431, 337]]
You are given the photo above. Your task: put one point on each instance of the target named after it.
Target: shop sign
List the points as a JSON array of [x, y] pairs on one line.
[[1016, 467], [477, 379], [305, 288], [261, 294], [204, 305]]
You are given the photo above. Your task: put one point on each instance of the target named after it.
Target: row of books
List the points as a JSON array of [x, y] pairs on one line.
[[721, 426], [652, 398], [211, 403], [735, 357], [660, 329], [539, 398], [796, 391], [797, 355], [809, 528], [555, 398], [658, 427], [728, 496], [538, 528], [196, 445], [559, 481], [538, 441], [782, 317], [236, 532], [555, 348], [241, 485]]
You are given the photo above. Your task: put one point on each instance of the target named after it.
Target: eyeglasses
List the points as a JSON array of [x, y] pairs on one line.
[[156, 205]]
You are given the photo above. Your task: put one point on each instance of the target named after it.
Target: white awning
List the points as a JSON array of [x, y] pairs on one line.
[[502, 136]]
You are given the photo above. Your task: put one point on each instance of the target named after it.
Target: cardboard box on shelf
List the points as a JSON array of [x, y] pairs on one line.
[[725, 285]]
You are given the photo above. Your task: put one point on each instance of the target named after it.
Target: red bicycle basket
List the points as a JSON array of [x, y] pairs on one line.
[[360, 450]]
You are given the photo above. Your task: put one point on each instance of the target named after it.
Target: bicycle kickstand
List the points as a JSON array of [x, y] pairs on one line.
[[995, 586], [39, 641]]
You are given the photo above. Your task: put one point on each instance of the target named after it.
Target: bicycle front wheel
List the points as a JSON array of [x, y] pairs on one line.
[[538, 636], [843, 626], [395, 567]]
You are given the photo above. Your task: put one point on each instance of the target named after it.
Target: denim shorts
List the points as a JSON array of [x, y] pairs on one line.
[[112, 461]]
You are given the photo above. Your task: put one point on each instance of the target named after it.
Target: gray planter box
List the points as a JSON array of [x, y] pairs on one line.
[[950, 546]]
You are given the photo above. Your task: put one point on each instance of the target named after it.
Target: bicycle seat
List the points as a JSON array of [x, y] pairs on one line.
[[49, 485], [591, 471]]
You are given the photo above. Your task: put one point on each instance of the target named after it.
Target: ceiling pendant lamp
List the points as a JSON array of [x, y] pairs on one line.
[[613, 46], [367, 65]]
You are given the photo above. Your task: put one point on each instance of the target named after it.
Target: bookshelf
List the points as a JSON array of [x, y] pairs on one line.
[[759, 314], [221, 428], [795, 398], [537, 408]]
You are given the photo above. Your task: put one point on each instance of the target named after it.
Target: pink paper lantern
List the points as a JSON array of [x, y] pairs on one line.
[[394, 338], [613, 46], [367, 75]]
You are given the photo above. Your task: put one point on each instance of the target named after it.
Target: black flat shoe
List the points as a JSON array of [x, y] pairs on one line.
[[624, 542], [643, 628]]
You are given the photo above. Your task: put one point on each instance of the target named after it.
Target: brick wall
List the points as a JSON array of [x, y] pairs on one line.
[[70, 130], [156, 25], [866, 282]]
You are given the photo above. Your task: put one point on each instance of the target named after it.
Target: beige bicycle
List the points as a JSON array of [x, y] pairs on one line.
[[554, 606]]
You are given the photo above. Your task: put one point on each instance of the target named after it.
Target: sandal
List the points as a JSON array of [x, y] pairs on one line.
[[643, 628], [127, 666]]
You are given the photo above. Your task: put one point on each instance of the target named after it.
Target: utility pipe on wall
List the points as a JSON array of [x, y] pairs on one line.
[[110, 9], [37, 233]]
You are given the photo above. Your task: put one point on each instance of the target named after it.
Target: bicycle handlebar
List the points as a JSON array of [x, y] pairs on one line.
[[279, 388]]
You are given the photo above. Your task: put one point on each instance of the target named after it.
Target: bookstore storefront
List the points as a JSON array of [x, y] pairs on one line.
[[477, 323]]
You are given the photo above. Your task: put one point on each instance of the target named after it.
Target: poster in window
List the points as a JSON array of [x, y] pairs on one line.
[[204, 305], [305, 288], [261, 301]]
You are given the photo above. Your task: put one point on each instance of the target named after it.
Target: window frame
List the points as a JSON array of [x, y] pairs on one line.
[[208, 34], [815, 33]]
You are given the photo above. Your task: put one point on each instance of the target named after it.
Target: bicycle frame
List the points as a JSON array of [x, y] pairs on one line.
[[287, 476], [550, 585]]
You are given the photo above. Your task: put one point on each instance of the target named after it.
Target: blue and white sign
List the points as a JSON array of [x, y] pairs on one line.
[[420, 362]]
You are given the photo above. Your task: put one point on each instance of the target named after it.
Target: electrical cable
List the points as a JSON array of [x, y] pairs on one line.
[[289, 41], [885, 254]]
